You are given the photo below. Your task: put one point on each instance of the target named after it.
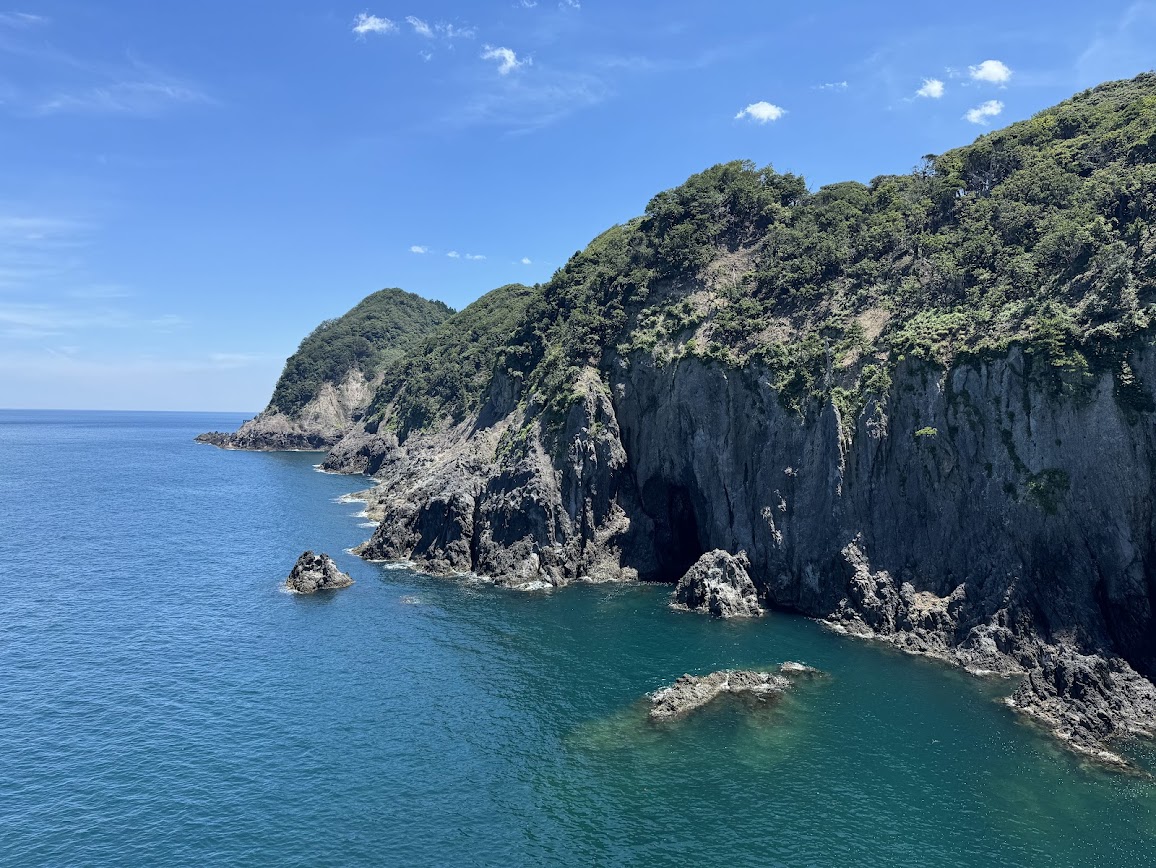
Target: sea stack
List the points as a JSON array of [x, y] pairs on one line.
[[316, 572], [719, 584]]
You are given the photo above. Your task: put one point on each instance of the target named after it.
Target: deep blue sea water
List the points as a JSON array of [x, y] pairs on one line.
[[163, 702]]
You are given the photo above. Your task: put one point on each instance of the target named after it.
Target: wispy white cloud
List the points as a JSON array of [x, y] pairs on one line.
[[123, 97], [527, 261], [427, 56], [421, 28], [932, 89], [475, 257], [37, 320], [29, 228], [35, 248], [993, 71], [365, 24], [99, 291], [453, 254], [1121, 49], [236, 360], [451, 31], [831, 85], [62, 374], [507, 60], [444, 30], [761, 112], [54, 81], [523, 103], [21, 19], [982, 113], [418, 248]]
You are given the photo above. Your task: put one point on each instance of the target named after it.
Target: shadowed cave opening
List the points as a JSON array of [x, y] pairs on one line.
[[677, 541]]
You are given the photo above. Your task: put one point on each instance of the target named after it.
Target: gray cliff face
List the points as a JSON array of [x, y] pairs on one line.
[[1020, 531], [319, 425], [1040, 506], [984, 515], [718, 584]]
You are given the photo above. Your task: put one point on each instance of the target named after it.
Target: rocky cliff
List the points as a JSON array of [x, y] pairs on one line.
[[329, 382], [1018, 538], [922, 407]]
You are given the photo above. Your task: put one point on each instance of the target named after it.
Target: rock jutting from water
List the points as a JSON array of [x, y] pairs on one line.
[[316, 572], [718, 584], [691, 692]]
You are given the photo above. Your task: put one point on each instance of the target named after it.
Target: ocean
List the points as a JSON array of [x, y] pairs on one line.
[[164, 702]]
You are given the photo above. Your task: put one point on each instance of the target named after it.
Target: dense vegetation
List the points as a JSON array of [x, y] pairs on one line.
[[448, 372], [382, 328], [1042, 235]]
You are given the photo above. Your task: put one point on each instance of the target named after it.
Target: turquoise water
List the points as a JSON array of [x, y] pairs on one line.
[[162, 702]]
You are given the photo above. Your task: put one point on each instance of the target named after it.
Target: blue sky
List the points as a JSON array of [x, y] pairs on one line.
[[186, 189]]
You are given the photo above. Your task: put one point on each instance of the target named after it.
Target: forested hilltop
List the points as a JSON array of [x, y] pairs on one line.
[[921, 407], [327, 384], [381, 329]]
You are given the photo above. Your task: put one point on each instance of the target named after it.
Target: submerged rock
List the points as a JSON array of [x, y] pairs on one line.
[[316, 572], [692, 692], [719, 584]]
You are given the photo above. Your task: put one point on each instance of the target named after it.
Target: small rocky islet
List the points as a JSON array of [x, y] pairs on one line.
[[316, 572], [692, 692]]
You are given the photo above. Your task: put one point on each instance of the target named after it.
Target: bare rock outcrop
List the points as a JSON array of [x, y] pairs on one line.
[[317, 426], [316, 572], [719, 584], [691, 692]]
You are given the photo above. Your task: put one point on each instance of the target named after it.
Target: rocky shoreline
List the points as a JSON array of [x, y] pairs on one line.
[[318, 426], [267, 441]]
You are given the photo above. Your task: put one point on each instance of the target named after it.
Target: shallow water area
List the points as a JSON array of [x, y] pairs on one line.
[[162, 700]]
